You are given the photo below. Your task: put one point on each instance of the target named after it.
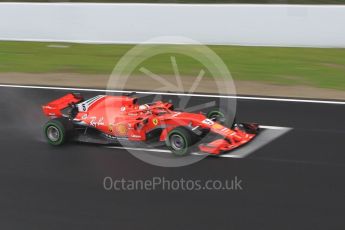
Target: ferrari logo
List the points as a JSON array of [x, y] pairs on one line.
[[155, 121]]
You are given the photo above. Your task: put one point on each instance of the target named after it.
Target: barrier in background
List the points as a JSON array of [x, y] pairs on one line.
[[237, 24]]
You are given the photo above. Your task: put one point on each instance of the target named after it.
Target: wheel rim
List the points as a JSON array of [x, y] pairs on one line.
[[53, 133], [177, 142]]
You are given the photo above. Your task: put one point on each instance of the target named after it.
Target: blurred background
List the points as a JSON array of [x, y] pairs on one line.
[[270, 48]]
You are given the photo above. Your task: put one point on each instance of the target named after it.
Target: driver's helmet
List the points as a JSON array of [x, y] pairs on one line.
[[144, 107]]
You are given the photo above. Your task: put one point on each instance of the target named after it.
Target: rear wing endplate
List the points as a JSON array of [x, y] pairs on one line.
[[53, 108]]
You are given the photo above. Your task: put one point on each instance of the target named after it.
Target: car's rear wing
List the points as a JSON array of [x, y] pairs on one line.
[[54, 108]]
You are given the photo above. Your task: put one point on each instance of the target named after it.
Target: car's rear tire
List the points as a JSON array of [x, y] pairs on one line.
[[57, 131], [179, 140]]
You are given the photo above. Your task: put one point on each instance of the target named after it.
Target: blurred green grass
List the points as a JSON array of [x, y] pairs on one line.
[[319, 67]]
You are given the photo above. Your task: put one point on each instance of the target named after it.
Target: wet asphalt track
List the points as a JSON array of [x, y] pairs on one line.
[[295, 182]]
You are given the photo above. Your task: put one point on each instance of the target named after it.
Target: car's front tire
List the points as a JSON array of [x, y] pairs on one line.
[[217, 116], [57, 131], [179, 141]]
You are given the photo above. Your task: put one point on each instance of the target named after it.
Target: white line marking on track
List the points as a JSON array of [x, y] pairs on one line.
[[271, 127], [177, 94], [228, 155], [139, 149]]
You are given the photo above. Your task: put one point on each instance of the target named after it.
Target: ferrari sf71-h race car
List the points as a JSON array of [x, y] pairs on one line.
[[121, 119]]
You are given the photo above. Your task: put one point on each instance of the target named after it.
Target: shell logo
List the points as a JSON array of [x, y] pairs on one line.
[[111, 128], [217, 126], [121, 129]]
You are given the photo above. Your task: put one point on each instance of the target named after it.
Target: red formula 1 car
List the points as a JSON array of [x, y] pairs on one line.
[[121, 119]]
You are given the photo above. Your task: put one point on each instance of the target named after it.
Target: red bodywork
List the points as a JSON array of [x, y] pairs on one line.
[[123, 117]]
